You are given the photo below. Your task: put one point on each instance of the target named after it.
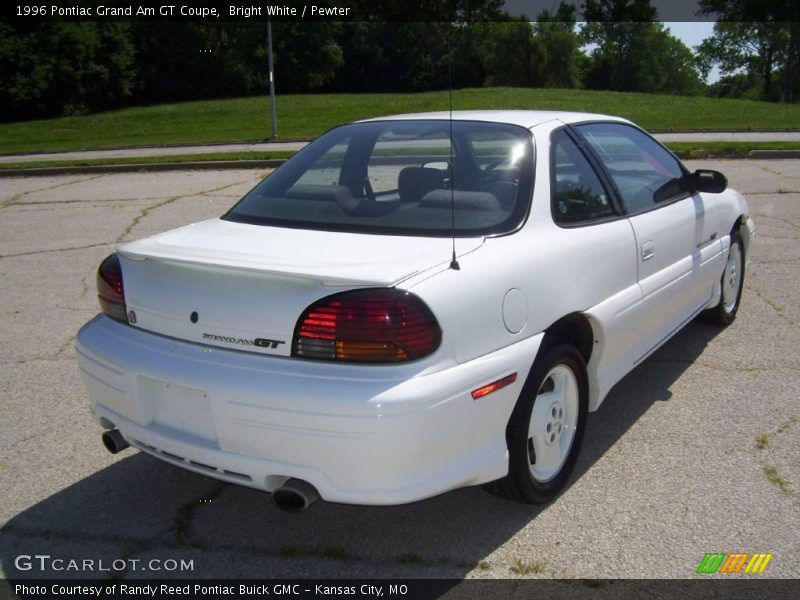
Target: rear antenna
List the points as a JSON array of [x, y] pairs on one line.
[[453, 261]]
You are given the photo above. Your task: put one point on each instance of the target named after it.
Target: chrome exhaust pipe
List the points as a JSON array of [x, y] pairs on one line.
[[114, 442], [295, 495]]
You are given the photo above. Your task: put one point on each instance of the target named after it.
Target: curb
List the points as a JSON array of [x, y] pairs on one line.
[[774, 154], [151, 147], [145, 168]]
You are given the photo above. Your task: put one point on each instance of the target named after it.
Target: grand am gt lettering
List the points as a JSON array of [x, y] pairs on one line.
[[455, 293], [259, 342]]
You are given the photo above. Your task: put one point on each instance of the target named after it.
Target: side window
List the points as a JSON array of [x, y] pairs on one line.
[[644, 172], [577, 194]]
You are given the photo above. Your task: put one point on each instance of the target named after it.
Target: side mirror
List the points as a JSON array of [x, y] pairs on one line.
[[706, 180]]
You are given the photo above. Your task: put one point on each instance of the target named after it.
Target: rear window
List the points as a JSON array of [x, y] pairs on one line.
[[429, 178]]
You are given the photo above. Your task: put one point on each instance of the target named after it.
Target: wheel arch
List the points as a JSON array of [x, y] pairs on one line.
[[576, 329]]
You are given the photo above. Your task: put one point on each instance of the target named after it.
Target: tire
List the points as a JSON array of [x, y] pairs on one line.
[[731, 283], [549, 420]]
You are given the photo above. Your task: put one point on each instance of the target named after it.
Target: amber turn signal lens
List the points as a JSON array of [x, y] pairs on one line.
[[494, 386]]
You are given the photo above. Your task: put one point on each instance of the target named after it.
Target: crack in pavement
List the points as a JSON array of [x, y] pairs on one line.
[[63, 348], [717, 367], [178, 535], [772, 473], [136, 220], [134, 546], [142, 214], [10, 448], [34, 203], [778, 219], [146, 211], [175, 535], [27, 209], [181, 528], [13, 200], [86, 288], [773, 171], [35, 252], [779, 191], [775, 261], [59, 354], [772, 304], [74, 309]]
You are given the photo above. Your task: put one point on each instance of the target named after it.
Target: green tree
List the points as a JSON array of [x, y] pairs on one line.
[[392, 54], [509, 54], [559, 44], [739, 85], [307, 55], [760, 37], [755, 47], [411, 56], [61, 68], [633, 52], [186, 60]]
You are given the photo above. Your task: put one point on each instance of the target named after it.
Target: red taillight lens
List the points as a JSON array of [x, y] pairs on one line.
[[370, 326], [110, 290]]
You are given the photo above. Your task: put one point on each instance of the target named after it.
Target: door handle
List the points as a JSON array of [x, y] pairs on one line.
[[648, 251]]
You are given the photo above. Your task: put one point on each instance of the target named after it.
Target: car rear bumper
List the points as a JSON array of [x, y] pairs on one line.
[[359, 434]]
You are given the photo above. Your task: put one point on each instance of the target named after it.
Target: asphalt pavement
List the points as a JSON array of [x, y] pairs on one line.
[[696, 451]]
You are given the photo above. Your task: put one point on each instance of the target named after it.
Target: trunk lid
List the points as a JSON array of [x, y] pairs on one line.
[[244, 286]]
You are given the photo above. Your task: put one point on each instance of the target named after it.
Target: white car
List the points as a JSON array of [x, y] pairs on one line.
[[412, 304]]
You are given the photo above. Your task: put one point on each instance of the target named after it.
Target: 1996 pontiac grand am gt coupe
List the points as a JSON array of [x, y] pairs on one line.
[[412, 304]]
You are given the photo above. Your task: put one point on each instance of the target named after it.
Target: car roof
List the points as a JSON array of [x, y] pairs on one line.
[[525, 118]]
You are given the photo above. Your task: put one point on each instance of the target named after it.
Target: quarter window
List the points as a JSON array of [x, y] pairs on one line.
[[578, 195], [643, 171]]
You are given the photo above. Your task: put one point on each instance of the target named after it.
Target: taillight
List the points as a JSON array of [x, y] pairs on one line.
[[110, 290], [369, 326]]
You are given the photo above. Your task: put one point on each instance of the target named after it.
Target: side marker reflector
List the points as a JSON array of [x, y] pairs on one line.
[[494, 386]]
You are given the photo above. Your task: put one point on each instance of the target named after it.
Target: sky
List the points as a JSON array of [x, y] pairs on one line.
[[692, 33]]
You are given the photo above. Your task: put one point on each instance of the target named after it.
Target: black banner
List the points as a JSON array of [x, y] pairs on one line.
[[354, 10], [397, 589]]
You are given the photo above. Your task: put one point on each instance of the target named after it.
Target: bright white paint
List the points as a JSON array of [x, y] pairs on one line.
[[397, 433]]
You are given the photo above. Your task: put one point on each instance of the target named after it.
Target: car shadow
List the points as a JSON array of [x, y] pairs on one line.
[[140, 506]]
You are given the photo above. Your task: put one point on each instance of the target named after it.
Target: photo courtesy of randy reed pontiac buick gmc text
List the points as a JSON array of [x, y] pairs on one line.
[[412, 304]]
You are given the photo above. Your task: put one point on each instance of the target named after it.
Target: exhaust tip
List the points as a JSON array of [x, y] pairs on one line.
[[295, 496], [114, 442]]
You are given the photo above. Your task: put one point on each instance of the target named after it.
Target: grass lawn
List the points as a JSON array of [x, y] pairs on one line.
[[306, 116]]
